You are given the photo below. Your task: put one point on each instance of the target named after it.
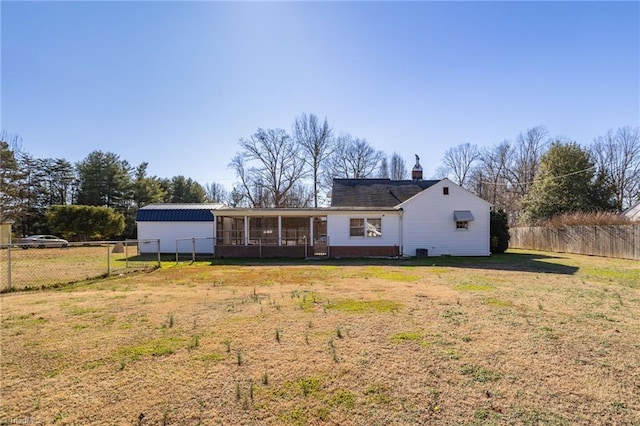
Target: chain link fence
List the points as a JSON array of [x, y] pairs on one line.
[[192, 249], [37, 267]]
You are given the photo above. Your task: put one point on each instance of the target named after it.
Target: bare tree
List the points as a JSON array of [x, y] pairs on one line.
[[268, 167], [398, 167], [617, 155], [317, 144], [215, 192], [353, 158], [525, 159], [383, 171], [13, 140], [299, 196], [458, 162], [489, 177], [236, 198]]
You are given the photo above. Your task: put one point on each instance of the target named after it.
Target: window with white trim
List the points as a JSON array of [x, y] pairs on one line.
[[374, 227], [365, 227], [462, 224], [462, 219], [356, 227]]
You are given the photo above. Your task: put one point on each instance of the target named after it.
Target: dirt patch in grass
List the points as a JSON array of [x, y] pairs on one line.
[[530, 339]]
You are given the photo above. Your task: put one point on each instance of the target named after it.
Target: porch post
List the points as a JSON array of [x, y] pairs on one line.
[[215, 234], [246, 230], [311, 231], [279, 230]]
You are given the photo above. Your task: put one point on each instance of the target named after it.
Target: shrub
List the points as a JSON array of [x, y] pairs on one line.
[[499, 231], [587, 219]]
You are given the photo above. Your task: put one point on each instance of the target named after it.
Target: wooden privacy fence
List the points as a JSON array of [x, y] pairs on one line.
[[621, 241]]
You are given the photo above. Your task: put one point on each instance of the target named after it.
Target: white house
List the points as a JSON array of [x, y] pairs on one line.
[[367, 217], [179, 227], [446, 219], [633, 212], [438, 217]]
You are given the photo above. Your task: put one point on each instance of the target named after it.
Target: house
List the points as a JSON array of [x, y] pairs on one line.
[[439, 217], [367, 217], [633, 212], [179, 227]]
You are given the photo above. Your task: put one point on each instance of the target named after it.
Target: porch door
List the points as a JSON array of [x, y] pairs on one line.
[[320, 239]]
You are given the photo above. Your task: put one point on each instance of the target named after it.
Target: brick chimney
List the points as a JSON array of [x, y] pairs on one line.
[[416, 172]]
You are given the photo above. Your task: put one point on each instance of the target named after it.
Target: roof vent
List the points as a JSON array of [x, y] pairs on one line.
[[416, 172]]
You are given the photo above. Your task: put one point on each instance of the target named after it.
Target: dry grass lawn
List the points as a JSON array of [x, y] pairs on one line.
[[49, 267], [523, 338]]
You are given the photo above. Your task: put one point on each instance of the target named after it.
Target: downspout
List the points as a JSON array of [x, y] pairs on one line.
[[401, 232], [489, 234]]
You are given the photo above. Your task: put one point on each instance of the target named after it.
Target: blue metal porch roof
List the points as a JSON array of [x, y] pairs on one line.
[[176, 213]]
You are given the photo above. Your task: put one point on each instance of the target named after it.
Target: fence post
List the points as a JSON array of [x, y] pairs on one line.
[[126, 255], [176, 251], [193, 250], [158, 245], [9, 264], [108, 260]]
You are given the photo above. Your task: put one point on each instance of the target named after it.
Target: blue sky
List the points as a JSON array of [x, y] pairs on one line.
[[176, 84]]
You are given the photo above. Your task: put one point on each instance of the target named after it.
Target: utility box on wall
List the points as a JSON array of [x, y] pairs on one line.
[[422, 252]]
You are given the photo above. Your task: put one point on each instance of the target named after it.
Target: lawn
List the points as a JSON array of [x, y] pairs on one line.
[[522, 338], [51, 267]]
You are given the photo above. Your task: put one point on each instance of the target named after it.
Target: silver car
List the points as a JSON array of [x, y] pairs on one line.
[[42, 241]]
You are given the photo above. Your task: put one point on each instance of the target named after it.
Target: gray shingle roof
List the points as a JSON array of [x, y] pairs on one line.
[[375, 192], [177, 213]]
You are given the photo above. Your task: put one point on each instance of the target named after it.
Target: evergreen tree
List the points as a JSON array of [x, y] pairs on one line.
[[565, 184], [499, 231], [146, 189], [104, 180], [85, 222], [185, 190], [11, 184]]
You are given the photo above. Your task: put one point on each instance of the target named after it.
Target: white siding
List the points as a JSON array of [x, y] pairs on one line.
[[428, 222], [633, 212], [338, 229], [169, 232]]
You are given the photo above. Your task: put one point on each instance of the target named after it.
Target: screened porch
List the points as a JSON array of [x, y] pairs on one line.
[[275, 234]]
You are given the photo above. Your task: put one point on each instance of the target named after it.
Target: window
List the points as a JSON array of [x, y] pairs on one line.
[[462, 218], [369, 227], [374, 227], [356, 227], [462, 224], [445, 190]]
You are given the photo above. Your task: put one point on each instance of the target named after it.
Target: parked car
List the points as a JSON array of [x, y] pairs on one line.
[[42, 241]]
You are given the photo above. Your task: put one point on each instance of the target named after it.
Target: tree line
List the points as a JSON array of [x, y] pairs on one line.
[[276, 168], [30, 186], [535, 178], [273, 169], [532, 177]]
